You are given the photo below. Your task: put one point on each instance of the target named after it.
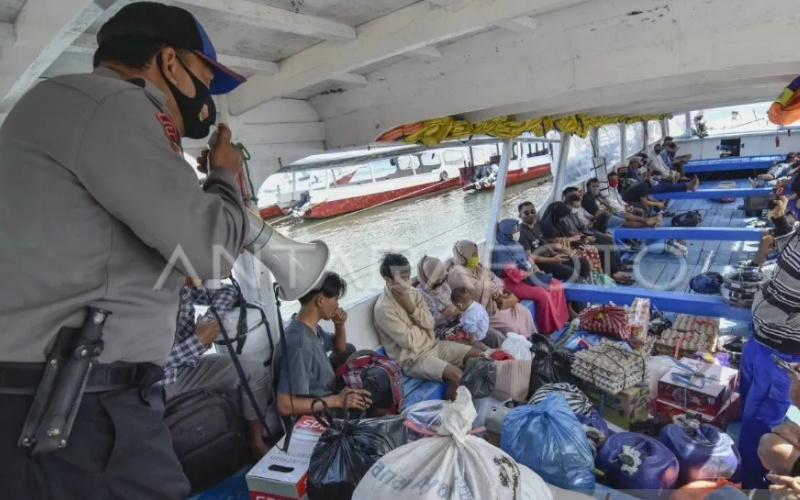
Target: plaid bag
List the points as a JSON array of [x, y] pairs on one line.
[[608, 319]]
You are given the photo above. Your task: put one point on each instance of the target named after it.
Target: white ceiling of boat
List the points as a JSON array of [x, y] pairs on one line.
[[331, 74]]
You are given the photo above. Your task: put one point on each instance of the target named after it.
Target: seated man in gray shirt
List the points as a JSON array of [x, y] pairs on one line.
[[302, 370]]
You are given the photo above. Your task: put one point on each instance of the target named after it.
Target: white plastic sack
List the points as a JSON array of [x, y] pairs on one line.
[[517, 346], [452, 465], [657, 367]]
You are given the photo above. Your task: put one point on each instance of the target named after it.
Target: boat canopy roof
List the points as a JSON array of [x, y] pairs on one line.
[[330, 75]]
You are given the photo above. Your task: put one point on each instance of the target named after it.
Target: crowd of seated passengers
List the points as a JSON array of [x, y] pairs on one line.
[[568, 222], [405, 328], [780, 170]]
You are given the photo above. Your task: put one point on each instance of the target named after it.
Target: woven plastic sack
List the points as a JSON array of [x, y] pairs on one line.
[[636, 462], [548, 438], [703, 452], [425, 415], [451, 464]]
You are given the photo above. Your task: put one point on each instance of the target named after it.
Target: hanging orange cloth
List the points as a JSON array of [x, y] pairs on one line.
[[786, 108]]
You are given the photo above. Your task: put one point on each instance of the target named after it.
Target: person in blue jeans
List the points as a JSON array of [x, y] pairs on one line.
[[763, 385]]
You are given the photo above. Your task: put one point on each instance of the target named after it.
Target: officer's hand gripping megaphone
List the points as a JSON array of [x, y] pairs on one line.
[[297, 267]]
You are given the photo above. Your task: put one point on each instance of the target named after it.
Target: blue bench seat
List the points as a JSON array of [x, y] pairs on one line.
[[689, 233], [713, 193], [679, 302], [731, 163]]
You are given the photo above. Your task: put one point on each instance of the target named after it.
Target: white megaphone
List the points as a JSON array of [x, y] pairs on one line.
[[297, 267]]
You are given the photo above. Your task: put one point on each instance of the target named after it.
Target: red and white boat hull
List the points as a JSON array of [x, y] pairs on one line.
[[394, 191], [270, 211], [519, 176]]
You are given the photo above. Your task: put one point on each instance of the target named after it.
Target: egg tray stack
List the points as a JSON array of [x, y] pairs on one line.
[[688, 335], [610, 367]]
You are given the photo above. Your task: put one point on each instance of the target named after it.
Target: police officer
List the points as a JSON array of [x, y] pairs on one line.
[[99, 208]]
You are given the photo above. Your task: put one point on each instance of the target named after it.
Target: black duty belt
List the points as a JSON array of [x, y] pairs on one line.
[[23, 378]]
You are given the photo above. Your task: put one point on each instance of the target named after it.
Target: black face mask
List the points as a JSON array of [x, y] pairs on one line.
[[198, 112]]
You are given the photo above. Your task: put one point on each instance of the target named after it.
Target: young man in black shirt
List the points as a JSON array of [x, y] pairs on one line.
[[551, 258], [594, 203]]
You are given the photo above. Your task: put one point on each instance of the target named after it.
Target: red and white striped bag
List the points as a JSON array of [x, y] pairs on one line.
[[606, 319]]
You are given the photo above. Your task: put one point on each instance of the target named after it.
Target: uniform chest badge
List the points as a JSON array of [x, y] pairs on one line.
[[171, 131]]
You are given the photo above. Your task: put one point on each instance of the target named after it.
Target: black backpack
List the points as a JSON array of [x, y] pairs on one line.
[[688, 219], [208, 435]]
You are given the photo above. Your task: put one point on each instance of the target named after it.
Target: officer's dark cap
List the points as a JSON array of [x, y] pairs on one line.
[[175, 27]]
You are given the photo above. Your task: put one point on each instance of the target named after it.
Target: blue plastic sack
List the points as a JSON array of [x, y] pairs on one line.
[[703, 453], [637, 462], [548, 438]]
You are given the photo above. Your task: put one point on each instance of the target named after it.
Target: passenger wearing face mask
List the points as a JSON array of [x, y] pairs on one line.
[[595, 204], [558, 260], [101, 199], [433, 287], [560, 226], [405, 328], [506, 314], [525, 280], [638, 195], [776, 333]]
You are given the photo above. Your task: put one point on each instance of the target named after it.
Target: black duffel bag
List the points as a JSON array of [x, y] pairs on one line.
[[208, 435]]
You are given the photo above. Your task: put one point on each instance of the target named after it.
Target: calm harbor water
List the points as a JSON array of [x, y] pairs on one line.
[[417, 227]]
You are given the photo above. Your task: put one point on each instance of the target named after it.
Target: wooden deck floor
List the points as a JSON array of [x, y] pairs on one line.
[[666, 272], [674, 273]]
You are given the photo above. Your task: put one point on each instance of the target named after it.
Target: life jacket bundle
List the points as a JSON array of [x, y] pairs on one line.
[[361, 368]]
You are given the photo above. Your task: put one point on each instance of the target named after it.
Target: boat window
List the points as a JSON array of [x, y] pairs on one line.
[[580, 162], [634, 138], [481, 155], [736, 119], [654, 134], [407, 162], [430, 159], [453, 157], [677, 126], [609, 139]]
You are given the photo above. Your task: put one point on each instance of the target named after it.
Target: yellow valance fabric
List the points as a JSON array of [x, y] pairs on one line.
[[436, 130]]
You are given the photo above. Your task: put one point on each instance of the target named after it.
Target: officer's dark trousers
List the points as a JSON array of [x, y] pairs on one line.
[[119, 449]]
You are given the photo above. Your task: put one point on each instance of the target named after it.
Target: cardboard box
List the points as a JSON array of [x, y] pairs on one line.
[[729, 412], [703, 387], [283, 475], [623, 408]]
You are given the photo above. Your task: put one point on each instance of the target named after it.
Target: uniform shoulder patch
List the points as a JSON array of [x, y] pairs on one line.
[[171, 131]]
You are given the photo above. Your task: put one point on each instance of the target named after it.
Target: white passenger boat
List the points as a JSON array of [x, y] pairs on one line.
[[604, 79]]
